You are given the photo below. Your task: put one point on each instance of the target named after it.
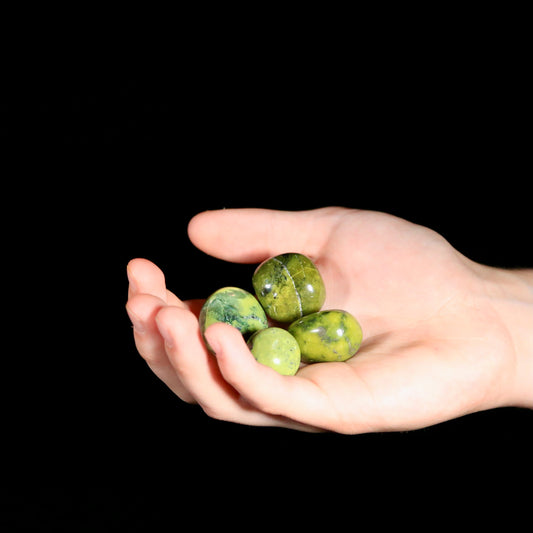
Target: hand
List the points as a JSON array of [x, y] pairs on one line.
[[439, 330]]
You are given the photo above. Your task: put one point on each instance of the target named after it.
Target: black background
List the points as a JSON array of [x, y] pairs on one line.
[[111, 153]]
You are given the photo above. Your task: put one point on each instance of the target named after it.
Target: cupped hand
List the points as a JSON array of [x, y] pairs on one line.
[[434, 347]]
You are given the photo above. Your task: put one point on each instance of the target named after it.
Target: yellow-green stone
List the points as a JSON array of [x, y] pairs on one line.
[[327, 336], [289, 286], [236, 307], [276, 348]]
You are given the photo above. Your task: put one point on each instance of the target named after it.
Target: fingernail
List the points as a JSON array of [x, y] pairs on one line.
[[213, 342], [167, 337], [137, 323], [132, 281]]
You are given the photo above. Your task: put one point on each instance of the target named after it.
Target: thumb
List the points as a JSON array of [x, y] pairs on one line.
[[251, 235]]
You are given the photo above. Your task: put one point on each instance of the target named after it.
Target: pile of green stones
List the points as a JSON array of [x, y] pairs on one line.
[[291, 292]]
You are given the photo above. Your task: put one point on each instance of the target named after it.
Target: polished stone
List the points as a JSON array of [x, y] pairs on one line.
[[276, 348], [289, 286], [236, 307], [327, 336]]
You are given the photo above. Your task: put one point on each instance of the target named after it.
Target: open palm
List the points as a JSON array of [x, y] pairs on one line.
[[433, 346]]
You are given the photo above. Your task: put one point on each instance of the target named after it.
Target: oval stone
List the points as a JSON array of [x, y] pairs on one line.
[[276, 348], [236, 307], [327, 336], [289, 286]]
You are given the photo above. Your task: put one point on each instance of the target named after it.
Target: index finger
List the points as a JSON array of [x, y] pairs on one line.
[[294, 398]]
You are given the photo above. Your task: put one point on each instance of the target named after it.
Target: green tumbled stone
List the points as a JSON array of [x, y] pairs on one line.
[[236, 307], [289, 286], [276, 348], [327, 336]]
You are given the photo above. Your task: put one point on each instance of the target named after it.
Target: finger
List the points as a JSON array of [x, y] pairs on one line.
[[199, 372], [250, 235], [291, 397], [147, 278], [142, 310], [172, 299], [195, 306]]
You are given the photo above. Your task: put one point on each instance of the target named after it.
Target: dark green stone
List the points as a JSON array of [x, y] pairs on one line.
[[236, 307], [327, 336], [289, 286]]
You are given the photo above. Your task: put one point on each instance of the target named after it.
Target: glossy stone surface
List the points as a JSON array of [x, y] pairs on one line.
[[327, 336], [289, 286], [276, 348], [233, 306]]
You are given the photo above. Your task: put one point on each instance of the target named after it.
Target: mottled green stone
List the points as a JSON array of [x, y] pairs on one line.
[[276, 348], [289, 286], [327, 336], [233, 306]]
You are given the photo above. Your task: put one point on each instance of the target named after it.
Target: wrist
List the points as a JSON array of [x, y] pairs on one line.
[[512, 298]]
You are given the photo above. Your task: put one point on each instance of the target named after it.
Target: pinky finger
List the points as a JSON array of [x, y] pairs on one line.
[[142, 310]]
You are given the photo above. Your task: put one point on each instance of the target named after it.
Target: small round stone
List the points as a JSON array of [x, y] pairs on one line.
[[236, 307], [276, 348], [289, 286], [327, 336]]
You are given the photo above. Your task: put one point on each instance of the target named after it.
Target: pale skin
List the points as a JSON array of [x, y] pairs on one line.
[[443, 336]]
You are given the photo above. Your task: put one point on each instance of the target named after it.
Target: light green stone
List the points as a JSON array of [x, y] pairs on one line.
[[236, 307], [276, 348], [327, 336], [289, 286]]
